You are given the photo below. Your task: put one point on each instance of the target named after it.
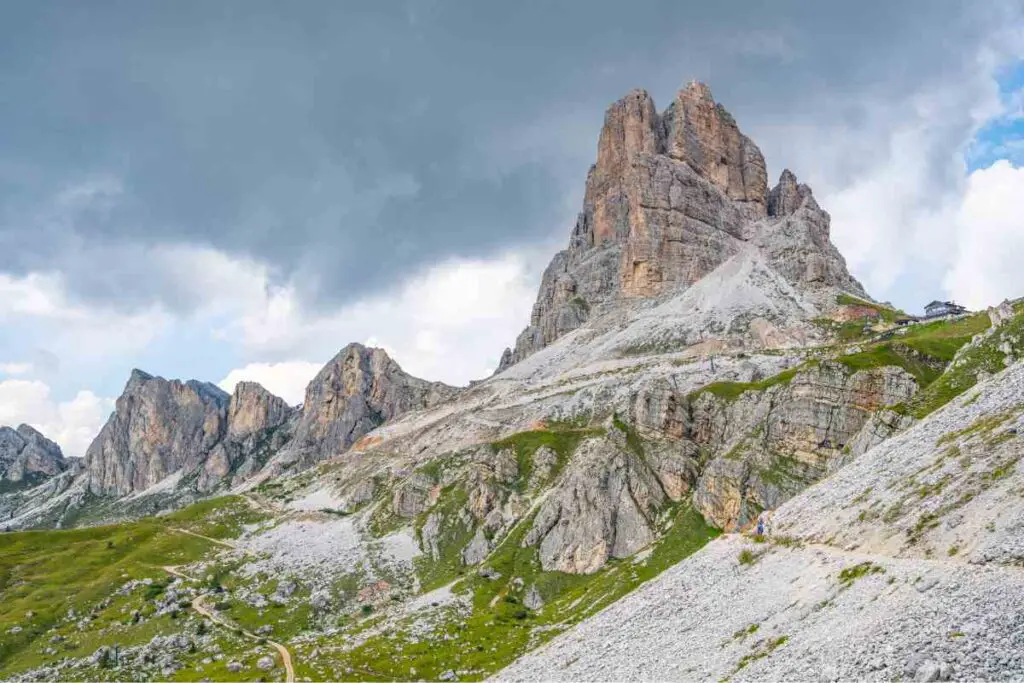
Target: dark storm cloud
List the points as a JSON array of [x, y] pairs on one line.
[[347, 144]]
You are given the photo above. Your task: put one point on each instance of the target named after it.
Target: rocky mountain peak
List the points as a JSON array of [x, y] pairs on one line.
[[703, 134], [785, 198], [357, 391], [158, 427], [253, 409], [671, 197], [26, 454]]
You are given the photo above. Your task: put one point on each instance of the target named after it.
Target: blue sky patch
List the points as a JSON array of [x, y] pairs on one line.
[[1002, 138]]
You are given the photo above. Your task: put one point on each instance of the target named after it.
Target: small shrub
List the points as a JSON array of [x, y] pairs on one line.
[[850, 574], [153, 590], [748, 556]]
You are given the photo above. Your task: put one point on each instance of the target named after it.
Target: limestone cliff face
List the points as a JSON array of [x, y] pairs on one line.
[[253, 409], [162, 427], [767, 445], [671, 197], [606, 507], [257, 426], [356, 392], [158, 427], [26, 456]]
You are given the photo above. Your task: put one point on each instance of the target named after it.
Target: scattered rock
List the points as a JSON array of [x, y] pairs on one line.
[[532, 599]]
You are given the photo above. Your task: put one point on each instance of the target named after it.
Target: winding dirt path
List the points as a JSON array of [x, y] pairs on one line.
[[203, 610]]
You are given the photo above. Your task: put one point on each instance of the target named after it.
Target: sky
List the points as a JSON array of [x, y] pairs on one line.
[[235, 189]]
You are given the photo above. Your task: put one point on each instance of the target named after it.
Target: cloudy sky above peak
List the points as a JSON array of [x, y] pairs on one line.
[[235, 189]]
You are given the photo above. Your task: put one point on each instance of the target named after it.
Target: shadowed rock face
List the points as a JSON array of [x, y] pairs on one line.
[[26, 454], [670, 198], [356, 392]]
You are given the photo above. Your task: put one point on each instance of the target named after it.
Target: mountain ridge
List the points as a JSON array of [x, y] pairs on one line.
[[698, 356]]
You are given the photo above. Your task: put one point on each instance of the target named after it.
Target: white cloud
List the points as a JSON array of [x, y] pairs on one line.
[[287, 379], [75, 330], [15, 368], [449, 323], [72, 424], [989, 238]]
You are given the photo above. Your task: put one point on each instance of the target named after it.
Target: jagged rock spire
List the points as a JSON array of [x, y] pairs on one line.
[[670, 198]]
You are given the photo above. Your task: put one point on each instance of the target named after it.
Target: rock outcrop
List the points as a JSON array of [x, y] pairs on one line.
[[164, 427], [28, 457], [356, 392], [604, 508], [769, 443], [257, 427], [158, 427], [670, 198]]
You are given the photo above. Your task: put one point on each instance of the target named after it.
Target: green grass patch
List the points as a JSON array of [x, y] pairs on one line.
[[49, 573], [748, 557], [730, 391], [762, 649], [942, 339], [985, 357], [525, 444], [850, 574], [500, 628], [888, 353], [453, 535]]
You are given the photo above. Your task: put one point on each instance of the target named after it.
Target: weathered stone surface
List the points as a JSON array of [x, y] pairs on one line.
[[415, 495], [705, 136], [158, 427], [26, 456], [604, 507], [253, 409], [544, 461], [771, 444], [532, 599], [356, 392], [798, 244], [670, 198], [161, 427]]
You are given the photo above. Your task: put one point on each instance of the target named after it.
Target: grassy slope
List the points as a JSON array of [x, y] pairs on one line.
[[986, 357], [47, 573]]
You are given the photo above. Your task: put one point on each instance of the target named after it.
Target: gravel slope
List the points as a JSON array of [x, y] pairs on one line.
[[936, 511]]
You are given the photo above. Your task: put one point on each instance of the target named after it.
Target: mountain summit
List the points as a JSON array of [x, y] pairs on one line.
[[671, 197]]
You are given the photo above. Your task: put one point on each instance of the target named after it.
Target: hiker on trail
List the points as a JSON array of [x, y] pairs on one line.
[[760, 526]]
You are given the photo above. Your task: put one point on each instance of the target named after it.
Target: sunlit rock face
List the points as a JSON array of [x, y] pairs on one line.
[[671, 197]]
